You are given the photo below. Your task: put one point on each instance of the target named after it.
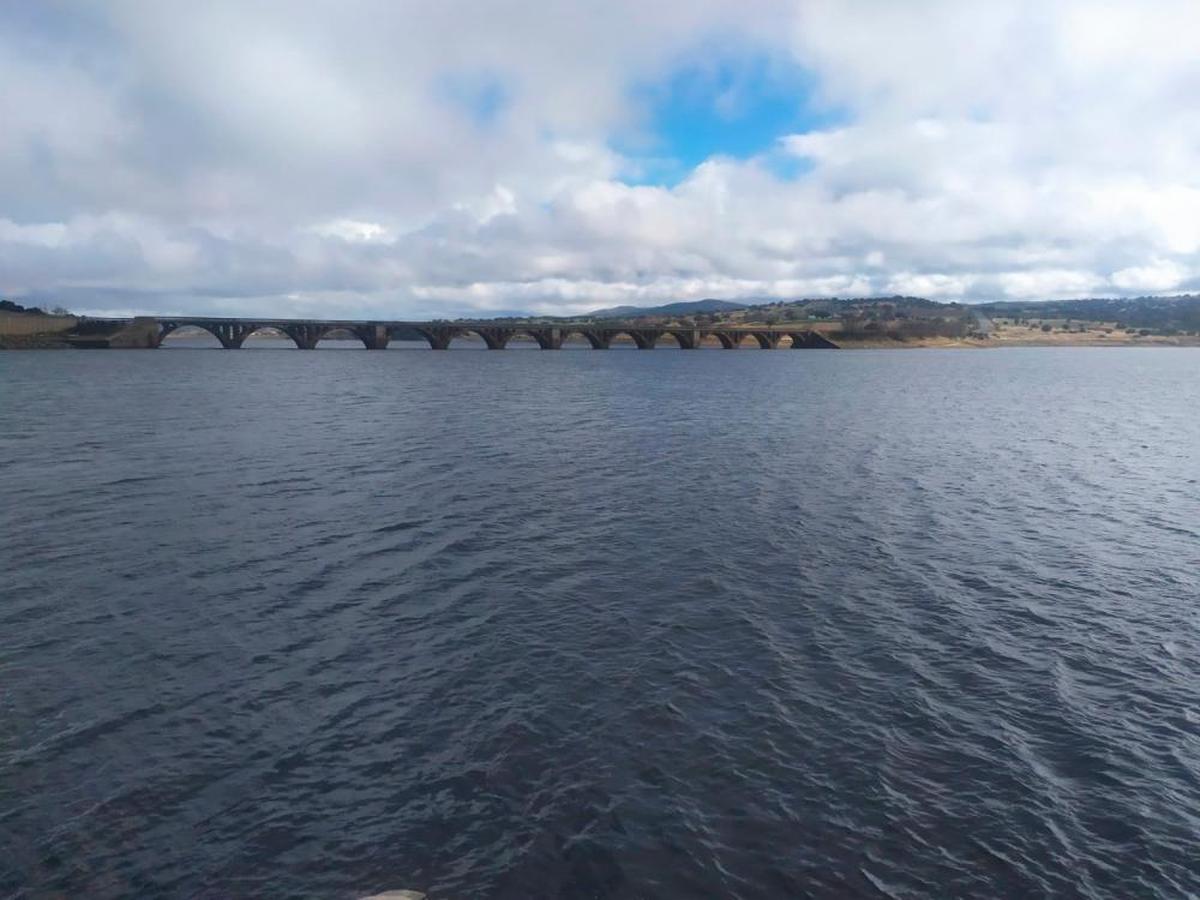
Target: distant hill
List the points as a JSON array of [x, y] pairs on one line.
[[1167, 315], [684, 308], [1180, 312], [9, 306]]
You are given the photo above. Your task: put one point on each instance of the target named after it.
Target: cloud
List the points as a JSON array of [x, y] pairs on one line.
[[1161, 275], [371, 158]]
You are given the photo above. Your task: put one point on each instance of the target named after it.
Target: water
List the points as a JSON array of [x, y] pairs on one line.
[[579, 624]]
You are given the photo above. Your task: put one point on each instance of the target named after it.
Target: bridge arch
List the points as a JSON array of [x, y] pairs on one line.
[[372, 337], [593, 337], [548, 338], [436, 340], [769, 339], [733, 340], [614, 334], [440, 337], [231, 334], [276, 331], [340, 333], [685, 338], [494, 337], [497, 337], [471, 333], [646, 339], [182, 329], [728, 340], [601, 338]]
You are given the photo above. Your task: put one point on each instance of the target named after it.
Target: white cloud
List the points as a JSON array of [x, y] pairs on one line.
[[270, 157], [1161, 275], [350, 230]]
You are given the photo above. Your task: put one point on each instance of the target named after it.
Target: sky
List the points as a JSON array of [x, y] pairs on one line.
[[406, 159]]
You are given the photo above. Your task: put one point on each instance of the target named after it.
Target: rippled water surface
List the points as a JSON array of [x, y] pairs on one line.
[[584, 624]]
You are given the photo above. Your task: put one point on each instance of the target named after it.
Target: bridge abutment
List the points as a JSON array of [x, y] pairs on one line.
[[811, 340]]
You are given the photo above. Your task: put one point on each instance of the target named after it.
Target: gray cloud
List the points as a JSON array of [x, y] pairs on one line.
[[443, 159]]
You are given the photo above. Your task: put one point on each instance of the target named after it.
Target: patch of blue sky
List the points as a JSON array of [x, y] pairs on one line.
[[735, 107], [481, 95]]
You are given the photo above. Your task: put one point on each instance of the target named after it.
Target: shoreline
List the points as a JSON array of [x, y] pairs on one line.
[[56, 342]]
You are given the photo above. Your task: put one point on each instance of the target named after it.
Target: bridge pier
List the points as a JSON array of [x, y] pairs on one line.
[[439, 336], [496, 338], [599, 339], [231, 334], [305, 336], [811, 340], [644, 338], [374, 337], [728, 341], [688, 338], [548, 338], [768, 340]]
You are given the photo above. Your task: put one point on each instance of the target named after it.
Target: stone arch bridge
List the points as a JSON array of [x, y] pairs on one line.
[[307, 333]]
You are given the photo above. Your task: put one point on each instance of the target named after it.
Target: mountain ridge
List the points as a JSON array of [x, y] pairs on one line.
[[680, 308]]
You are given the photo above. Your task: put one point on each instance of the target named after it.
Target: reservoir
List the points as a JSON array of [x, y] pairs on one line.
[[583, 624]]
